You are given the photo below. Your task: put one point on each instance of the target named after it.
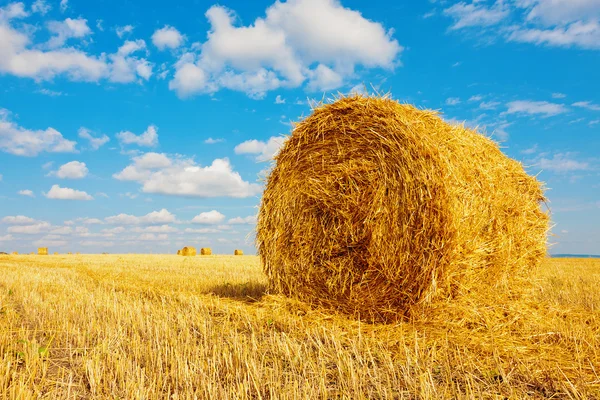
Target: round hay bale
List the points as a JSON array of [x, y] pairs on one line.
[[188, 251], [42, 251], [15, 253], [238, 253], [205, 251], [178, 252], [374, 207]]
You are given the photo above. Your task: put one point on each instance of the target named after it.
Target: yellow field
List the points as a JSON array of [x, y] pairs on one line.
[[158, 327]]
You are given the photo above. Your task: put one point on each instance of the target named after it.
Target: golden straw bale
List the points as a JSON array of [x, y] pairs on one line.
[[42, 251], [178, 252], [238, 252], [15, 253], [205, 251], [188, 251], [377, 209]]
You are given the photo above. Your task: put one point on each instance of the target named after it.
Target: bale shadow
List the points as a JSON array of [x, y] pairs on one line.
[[248, 292]]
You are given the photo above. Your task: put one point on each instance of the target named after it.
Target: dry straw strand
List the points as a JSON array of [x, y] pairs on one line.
[[188, 251], [376, 209], [205, 251]]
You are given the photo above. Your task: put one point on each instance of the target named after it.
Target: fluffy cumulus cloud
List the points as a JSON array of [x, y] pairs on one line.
[[154, 218], [559, 23], [147, 139], [32, 229], [263, 151], [561, 163], [40, 6], [62, 193], [72, 170], [167, 38], [123, 30], [314, 41], [209, 217], [20, 141], [157, 173], [20, 57], [94, 142], [18, 220]]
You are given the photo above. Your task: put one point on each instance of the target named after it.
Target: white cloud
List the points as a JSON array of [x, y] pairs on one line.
[[127, 68], [280, 49], [18, 220], [154, 218], [150, 237], [30, 229], [95, 142], [552, 12], [251, 219], [64, 4], [26, 192], [65, 30], [489, 105], [587, 105], [558, 95], [48, 92], [213, 141], [6, 238], [452, 101], [580, 34], [112, 231], [209, 217], [72, 170], [535, 107], [63, 230], [60, 193], [20, 58], [155, 229], [13, 11], [477, 97], [122, 30], [530, 150], [264, 150], [40, 6], [562, 163], [96, 243], [167, 37], [20, 141], [475, 14], [203, 230], [279, 99], [148, 139], [183, 177]]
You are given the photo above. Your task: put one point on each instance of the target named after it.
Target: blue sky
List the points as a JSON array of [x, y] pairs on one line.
[[143, 126]]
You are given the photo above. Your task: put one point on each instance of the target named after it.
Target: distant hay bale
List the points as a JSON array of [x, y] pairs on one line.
[[32, 253], [69, 252], [42, 251], [238, 253], [376, 208], [15, 253], [188, 251], [205, 251], [178, 252], [55, 253]]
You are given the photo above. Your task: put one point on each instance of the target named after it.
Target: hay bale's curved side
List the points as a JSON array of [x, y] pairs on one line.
[[237, 252], [188, 251], [373, 207], [205, 251]]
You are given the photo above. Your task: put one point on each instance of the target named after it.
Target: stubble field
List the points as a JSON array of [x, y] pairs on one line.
[[158, 327]]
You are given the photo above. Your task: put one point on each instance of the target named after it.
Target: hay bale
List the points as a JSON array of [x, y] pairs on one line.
[[55, 253], [188, 251], [238, 253], [376, 208], [31, 253], [42, 251], [69, 252], [178, 252], [15, 253], [205, 251]]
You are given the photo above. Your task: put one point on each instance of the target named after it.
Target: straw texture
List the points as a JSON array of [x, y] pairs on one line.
[[374, 207]]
